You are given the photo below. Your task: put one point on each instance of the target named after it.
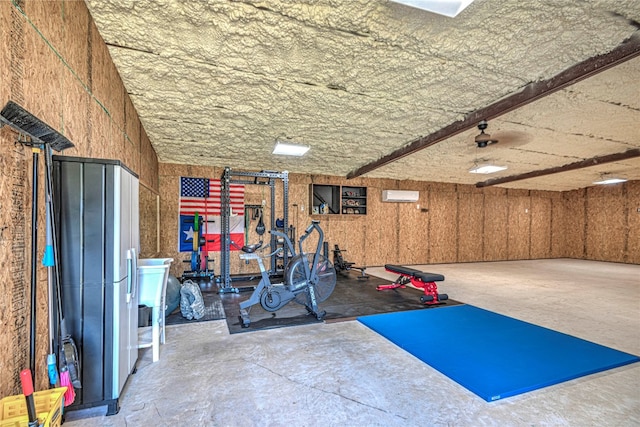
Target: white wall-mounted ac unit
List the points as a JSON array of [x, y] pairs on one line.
[[400, 196]]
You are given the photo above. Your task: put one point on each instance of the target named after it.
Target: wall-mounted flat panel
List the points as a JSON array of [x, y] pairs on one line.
[[400, 196]]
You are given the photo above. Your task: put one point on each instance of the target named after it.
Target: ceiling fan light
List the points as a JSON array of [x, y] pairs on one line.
[[487, 169], [605, 181], [288, 149], [449, 8]]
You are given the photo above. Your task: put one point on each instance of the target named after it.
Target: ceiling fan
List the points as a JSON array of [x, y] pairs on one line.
[[483, 139], [508, 138]]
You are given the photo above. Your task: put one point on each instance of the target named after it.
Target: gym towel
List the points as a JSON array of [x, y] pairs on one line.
[[492, 355]]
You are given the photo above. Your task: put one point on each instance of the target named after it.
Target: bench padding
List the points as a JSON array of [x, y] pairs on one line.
[[424, 276]]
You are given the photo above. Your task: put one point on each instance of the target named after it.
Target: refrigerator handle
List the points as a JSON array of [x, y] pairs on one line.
[[134, 279], [129, 275]]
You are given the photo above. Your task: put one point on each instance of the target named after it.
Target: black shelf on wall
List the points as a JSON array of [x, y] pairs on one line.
[[337, 200]]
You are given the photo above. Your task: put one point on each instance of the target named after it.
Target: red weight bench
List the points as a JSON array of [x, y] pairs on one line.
[[418, 279]]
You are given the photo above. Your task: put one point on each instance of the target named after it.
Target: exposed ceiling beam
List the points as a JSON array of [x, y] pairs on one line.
[[628, 49], [594, 161]]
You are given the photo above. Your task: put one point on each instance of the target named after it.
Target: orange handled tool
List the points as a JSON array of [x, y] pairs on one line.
[[27, 390]]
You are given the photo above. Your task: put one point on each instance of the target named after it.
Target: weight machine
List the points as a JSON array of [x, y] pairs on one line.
[[266, 178], [341, 265]]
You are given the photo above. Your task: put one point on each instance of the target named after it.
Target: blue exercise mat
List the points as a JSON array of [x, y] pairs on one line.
[[492, 355]]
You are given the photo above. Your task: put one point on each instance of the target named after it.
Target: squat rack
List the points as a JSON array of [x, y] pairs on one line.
[[259, 178]]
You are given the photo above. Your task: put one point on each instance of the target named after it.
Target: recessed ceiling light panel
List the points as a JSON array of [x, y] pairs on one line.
[[487, 169], [289, 149], [449, 8], [610, 181]]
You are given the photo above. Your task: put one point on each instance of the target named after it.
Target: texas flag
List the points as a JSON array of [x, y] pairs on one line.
[[202, 196]]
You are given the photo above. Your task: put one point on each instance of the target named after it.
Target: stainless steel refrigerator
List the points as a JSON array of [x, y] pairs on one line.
[[98, 239]]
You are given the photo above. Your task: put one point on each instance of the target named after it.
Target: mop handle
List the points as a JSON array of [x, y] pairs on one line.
[[54, 237], [27, 390]]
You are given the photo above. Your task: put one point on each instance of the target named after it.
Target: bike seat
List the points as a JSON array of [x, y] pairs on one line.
[[249, 249]]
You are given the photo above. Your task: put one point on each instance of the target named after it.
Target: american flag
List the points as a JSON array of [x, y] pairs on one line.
[[203, 196]]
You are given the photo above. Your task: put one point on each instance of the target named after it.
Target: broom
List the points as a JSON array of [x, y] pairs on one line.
[[65, 381], [63, 336], [48, 261]]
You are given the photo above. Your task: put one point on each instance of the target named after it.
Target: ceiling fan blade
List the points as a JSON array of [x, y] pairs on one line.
[[512, 138]]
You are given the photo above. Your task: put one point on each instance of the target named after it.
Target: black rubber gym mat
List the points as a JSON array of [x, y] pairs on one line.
[[214, 309], [352, 297]]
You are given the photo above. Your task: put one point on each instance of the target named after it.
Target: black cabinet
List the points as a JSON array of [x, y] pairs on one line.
[[337, 200], [324, 199], [97, 219], [354, 200]]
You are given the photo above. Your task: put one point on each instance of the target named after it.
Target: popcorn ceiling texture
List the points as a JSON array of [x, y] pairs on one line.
[[217, 82]]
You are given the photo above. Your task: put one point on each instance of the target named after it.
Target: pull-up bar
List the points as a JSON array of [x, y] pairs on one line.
[[248, 178]]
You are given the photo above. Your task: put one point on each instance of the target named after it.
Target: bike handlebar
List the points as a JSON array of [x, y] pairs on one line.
[[315, 224], [286, 239]]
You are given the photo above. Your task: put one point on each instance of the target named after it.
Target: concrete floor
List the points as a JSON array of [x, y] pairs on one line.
[[344, 374]]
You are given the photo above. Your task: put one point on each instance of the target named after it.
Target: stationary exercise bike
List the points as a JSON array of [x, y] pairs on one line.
[[309, 278]]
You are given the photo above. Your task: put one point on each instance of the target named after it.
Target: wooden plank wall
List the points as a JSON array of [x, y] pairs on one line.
[[54, 63], [496, 217], [449, 223], [600, 223], [633, 222], [470, 223], [540, 234], [149, 222], [610, 213]]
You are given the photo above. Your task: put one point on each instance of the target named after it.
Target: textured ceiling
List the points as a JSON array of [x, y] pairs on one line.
[[217, 82]]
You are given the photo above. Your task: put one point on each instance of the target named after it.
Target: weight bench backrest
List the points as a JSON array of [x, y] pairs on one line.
[[412, 272]]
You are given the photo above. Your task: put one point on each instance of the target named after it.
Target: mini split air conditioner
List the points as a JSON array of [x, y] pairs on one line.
[[400, 196]]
